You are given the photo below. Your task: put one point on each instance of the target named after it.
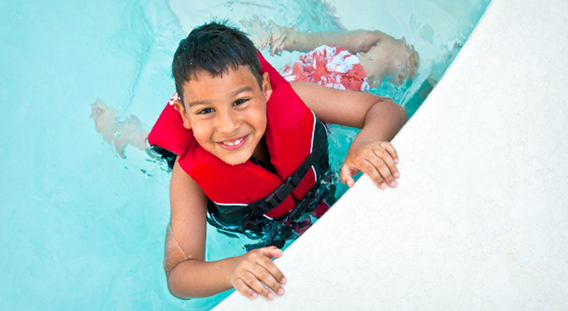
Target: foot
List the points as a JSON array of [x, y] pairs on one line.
[[116, 133], [391, 59], [413, 61], [404, 62]]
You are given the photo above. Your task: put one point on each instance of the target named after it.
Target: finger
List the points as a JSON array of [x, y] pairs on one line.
[[271, 268], [347, 174], [369, 169], [246, 291], [271, 252], [383, 171], [253, 282], [390, 148], [387, 166], [268, 278]]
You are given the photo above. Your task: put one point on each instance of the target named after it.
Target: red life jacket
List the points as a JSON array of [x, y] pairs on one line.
[[289, 136]]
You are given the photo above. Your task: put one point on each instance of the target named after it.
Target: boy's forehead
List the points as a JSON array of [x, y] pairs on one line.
[[205, 85], [241, 70]]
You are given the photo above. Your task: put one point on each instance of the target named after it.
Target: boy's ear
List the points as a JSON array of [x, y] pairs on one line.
[[266, 87], [181, 109]]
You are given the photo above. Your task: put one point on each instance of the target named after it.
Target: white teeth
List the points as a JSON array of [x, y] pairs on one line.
[[236, 142]]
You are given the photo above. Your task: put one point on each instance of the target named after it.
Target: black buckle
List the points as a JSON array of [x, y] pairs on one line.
[[285, 189], [270, 202], [277, 196], [258, 208], [250, 224]]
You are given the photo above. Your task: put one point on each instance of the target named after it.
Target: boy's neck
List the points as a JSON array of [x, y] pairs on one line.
[[261, 152]]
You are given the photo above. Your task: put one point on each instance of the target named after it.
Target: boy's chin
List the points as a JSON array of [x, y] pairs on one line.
[[235, 163], [235, 160]]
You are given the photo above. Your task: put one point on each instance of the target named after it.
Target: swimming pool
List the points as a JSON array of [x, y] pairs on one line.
[[82, 228]]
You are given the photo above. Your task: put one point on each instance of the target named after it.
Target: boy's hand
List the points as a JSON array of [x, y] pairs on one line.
[[255, 267], [376, 159]]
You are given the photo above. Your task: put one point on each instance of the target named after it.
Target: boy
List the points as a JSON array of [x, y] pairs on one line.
[[247, 149]]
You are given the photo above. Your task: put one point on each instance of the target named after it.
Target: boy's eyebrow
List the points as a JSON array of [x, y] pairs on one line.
[[242, 89], [235, 93], [198, 102]]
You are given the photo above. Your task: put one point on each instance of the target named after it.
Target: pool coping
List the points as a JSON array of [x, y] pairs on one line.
[[478, 219]]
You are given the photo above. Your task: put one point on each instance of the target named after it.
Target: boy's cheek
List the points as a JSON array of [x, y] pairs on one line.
[[199, 137], [261, 121]]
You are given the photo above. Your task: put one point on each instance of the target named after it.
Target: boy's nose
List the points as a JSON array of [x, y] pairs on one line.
[[228, 122]]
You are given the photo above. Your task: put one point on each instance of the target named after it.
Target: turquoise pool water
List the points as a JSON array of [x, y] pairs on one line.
[[82, 228]]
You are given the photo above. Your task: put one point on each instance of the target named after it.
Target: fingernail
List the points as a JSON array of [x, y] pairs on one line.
[[254, 295], [283, 281], [382, 186], [281, 292], [393, 183], [271, 296], [396, 161], [396, 175]]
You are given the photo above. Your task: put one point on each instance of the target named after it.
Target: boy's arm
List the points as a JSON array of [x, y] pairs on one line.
[[379, 120], [189, 275]]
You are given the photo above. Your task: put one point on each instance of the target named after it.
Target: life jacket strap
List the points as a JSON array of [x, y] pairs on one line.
[[279, 194]]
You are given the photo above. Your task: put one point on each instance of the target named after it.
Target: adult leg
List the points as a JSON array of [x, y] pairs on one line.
[[358, 41], [280, 38], [380, 55]]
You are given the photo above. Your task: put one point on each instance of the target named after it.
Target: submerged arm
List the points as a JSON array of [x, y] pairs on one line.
[[189, 275]]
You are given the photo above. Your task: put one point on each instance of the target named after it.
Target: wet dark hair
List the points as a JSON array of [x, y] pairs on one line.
[[216, 48]]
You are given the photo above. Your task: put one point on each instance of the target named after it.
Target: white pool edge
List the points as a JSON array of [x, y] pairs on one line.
[[478, 220]]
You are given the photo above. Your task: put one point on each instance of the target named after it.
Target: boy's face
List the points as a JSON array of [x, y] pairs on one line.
[[227, 114]]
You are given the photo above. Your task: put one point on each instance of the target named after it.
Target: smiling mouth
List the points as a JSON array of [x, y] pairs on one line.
[[233, 144]]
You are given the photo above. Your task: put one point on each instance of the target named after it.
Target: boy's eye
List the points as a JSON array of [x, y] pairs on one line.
[[205, 111], [240, 101]]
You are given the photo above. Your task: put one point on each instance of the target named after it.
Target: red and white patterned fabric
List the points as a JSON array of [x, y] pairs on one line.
[[173, 99], [329, 66]]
